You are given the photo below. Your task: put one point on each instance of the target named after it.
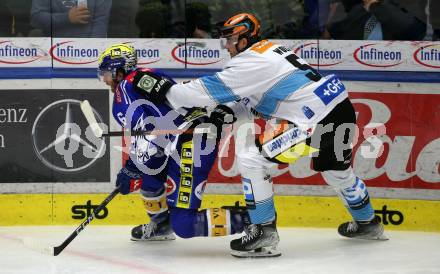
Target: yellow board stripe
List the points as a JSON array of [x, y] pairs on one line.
[[296, 211]]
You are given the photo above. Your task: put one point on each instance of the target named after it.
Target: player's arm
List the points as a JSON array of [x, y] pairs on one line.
[[152, 84], [239, 79]]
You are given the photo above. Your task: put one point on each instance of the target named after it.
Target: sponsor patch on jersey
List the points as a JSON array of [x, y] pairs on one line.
[[248, 192], [186, 178], [308, 112], [329, 90], [146, 83], [262, 46], [183, 199], [171, 185]]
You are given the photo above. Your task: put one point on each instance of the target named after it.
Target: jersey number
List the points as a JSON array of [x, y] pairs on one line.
[[312, 74]]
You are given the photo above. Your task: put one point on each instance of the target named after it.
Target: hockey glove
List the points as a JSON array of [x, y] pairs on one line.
[[220, 115], [129, 179], [152, 85]]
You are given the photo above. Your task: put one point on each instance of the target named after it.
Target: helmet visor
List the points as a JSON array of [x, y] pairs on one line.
[[235, 29], [225, 42], [104, 74]]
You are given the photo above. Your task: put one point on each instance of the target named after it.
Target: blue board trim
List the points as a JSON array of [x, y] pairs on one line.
[[348, 75]]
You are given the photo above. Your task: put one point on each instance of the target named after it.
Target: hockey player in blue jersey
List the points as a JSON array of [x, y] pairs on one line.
[[177, 162]]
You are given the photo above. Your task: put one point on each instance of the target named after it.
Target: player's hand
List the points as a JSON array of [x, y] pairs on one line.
[[79, 15], [129, 179], [153, 86], [222, 114]]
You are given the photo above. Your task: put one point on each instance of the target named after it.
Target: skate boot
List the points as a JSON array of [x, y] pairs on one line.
[[153, 232], [370, 230], [260, 241]]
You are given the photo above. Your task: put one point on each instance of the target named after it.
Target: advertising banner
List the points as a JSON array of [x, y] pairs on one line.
[[397, 145], [368, 55], [157, 53], [25, 52], [206, 53], [201, 53], [44, 137], [84, 53]]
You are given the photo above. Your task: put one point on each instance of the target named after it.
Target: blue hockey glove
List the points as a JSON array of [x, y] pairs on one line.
[[129, 179]]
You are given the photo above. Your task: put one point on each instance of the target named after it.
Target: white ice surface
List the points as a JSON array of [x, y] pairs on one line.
[[107, 249]]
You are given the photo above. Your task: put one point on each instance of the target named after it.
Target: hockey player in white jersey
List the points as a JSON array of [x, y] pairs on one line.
[[309, 114]]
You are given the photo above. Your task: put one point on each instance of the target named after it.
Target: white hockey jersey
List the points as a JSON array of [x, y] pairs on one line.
[[275, 82]]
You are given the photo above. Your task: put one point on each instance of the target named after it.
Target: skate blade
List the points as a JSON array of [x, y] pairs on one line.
[[381, 237], [257, 253], [156, 239]]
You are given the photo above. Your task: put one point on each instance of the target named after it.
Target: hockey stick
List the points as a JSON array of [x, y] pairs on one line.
[[58, 249], [87, 110]]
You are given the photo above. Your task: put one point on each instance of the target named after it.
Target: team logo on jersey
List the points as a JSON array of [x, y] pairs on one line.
[[15, 54], [195, 53], [317, 56], [65, 149], [428, 56], [378, 56]]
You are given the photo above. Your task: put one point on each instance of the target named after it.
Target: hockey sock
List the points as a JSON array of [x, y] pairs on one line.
[[156, 205], [358, 201], [212, 222], [352, 191], [258, 193]]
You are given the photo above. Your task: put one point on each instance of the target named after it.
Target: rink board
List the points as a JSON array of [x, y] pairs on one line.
[[293, 211]]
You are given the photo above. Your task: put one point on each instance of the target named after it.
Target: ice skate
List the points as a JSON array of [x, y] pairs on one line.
[[260, 241], [153, 232], [371, 230]]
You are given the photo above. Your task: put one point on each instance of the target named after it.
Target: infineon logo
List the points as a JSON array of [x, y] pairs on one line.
[[147, 56], [68, 53], [428, 56], [316, 56], [194, 53], [12, 54], [371, 56]]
